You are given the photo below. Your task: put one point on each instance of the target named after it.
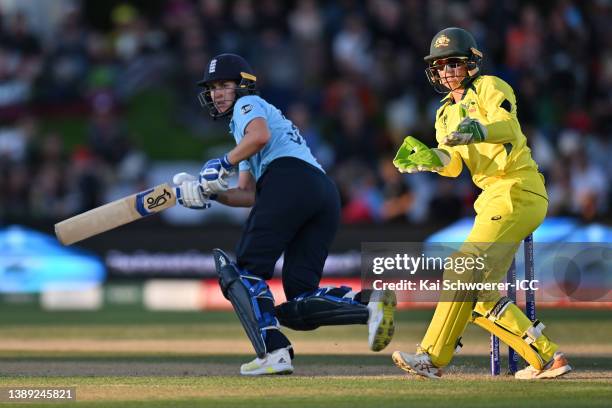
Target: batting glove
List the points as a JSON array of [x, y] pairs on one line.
[[189, 192], [214, 175]]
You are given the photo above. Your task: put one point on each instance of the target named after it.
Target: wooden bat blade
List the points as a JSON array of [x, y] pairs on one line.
[[115, 214]]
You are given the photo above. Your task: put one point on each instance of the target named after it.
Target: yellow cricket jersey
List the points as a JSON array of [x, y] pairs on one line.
[[504, 154]]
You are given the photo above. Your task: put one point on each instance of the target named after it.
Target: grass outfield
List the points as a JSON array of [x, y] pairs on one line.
[[134, 358], [343, 391]]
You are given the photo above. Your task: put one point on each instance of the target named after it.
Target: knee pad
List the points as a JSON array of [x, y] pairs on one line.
[[323, 307]]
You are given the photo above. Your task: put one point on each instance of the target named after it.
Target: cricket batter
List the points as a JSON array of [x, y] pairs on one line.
[[477, 125], [295, 211]]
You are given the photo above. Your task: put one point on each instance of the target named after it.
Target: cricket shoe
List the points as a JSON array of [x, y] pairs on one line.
[[555, 368], [419, 364], [380, 323], [277, 362]]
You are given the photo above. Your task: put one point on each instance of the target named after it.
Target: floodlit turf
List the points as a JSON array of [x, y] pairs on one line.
[[133, 358], [350, 392]]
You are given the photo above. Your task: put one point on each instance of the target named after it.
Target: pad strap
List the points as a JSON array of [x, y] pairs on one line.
[[259, 289], [459, 346], [340, 294], [534, 332], [499, 308]]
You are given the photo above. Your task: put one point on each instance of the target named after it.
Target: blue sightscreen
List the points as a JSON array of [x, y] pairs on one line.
[[31, 261]]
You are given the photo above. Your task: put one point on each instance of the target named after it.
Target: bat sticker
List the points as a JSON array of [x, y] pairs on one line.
[[152, 202], [159, 200]]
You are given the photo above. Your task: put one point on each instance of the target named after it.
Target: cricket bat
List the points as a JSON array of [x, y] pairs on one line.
[[115, 214]]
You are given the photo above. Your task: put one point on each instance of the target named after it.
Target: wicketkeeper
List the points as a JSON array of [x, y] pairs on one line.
[[477, 125], [295, 211]]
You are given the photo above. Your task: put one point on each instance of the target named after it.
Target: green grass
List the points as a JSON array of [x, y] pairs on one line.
[[149, 120], [329, 380], [118, 315], [74, 131], [29, 322], [473, 364], [395, 391]]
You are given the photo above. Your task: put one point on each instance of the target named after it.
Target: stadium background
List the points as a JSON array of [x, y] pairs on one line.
[[95, 95], [97, 101]]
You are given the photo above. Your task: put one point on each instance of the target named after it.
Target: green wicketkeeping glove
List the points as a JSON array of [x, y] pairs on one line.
[[469, 131], [414, 156]]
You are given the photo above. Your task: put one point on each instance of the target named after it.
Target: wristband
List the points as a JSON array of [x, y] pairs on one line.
[[226, 163]]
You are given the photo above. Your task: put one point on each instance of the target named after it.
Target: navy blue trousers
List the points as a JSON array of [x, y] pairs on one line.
[[296, 212]]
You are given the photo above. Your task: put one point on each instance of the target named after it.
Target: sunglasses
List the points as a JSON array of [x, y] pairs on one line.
[[442, 64]]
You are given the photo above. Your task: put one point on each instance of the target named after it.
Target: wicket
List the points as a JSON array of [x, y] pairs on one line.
[[529, 307]]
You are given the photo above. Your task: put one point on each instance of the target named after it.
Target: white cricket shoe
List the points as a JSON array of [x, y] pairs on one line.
[[419, 364], [380, 323], [276, 362], [555, 368]]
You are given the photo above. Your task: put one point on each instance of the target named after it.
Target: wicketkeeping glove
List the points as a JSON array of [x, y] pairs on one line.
[[469, 131], [414, 156]]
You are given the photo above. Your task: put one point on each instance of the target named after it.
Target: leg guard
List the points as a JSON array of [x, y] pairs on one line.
[[254, 304], [506, 320], [453, 311], [322, 307], [443, 337]]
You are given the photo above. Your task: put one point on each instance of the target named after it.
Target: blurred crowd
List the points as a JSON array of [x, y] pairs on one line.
[[349, 73]]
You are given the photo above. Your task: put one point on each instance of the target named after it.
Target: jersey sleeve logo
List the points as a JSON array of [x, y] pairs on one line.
[[246, 109]]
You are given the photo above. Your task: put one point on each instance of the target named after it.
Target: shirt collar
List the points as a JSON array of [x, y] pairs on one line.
[[448, 95], [470, 85]]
